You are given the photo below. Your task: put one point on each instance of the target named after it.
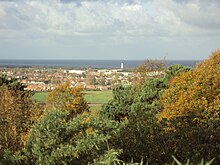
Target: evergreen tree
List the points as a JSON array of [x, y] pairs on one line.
[[59, 139]]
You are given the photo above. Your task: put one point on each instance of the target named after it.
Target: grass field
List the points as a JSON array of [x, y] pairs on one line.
[[40, 96], [94, 98], [99, 97]]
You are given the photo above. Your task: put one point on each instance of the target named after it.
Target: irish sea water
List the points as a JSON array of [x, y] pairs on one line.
[[87, 63]]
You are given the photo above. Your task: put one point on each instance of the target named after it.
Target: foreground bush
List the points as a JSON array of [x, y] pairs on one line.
[[191, 112], [17, 114], [59, 139], [137, 106], [196, 91]]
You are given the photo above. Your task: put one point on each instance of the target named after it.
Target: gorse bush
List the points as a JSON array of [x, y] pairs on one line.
[[59, 139]]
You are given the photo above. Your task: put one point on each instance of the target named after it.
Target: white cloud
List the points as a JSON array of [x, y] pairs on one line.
[[2, 12], [110, 18], [192, 17], [157, 23], [88, 18]]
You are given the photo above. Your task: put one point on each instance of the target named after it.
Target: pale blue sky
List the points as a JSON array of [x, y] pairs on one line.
[[109, 29]]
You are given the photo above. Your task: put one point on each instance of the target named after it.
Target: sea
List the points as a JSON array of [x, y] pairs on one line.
[[87, 63]]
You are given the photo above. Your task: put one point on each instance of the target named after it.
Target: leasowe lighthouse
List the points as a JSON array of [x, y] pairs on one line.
[[122, 65]]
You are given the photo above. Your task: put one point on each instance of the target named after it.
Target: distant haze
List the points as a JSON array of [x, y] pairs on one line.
[[109, 29], [117, 64]]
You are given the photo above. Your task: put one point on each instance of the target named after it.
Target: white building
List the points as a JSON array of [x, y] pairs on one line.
[[122, 65], [75, 71]]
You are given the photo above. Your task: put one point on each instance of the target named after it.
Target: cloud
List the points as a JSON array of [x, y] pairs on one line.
[[202, 14], [113, 20], [189, 16]]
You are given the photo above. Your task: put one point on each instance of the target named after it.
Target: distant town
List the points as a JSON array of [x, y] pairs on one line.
[[46, 79]]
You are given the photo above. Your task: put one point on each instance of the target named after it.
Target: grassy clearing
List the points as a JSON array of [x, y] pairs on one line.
[[40, 96], [94, 98], [99, 97]]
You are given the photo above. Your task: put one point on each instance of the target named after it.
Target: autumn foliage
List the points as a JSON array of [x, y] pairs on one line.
[[17, 114], [194, 92], [67, 98], [176, 112]]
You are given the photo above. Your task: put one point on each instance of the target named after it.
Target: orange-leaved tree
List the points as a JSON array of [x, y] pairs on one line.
[[17, 114], [191, 112], [68, 98], [194, 92]]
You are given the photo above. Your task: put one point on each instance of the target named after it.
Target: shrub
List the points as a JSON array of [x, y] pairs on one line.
[[59, 139]]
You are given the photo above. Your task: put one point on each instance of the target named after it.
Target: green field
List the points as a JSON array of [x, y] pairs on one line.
[[40, 96], [94, 98], [98, 97]]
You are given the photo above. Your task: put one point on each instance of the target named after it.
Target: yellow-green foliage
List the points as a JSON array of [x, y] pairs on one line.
[[67, 98], [59, 139], [196, 91], [17, 114]]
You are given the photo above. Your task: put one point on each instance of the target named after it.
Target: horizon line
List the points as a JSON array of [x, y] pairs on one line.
[[109, 59]]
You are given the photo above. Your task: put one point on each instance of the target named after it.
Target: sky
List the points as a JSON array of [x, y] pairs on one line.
[[109, 29]]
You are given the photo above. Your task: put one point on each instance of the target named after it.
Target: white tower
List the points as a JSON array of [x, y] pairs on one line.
[[122, 65]]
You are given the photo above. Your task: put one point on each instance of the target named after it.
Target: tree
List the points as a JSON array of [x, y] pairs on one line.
[[17, 114], [150, 68], [67, 98], [195, 91], [137, 111], [137, 108], [190, 113], [119, 107], [11, 83], [175, 70], [58, 139], [142, 134]]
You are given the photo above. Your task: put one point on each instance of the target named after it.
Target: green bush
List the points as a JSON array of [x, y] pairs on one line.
[[138, 106], [59, 139]]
